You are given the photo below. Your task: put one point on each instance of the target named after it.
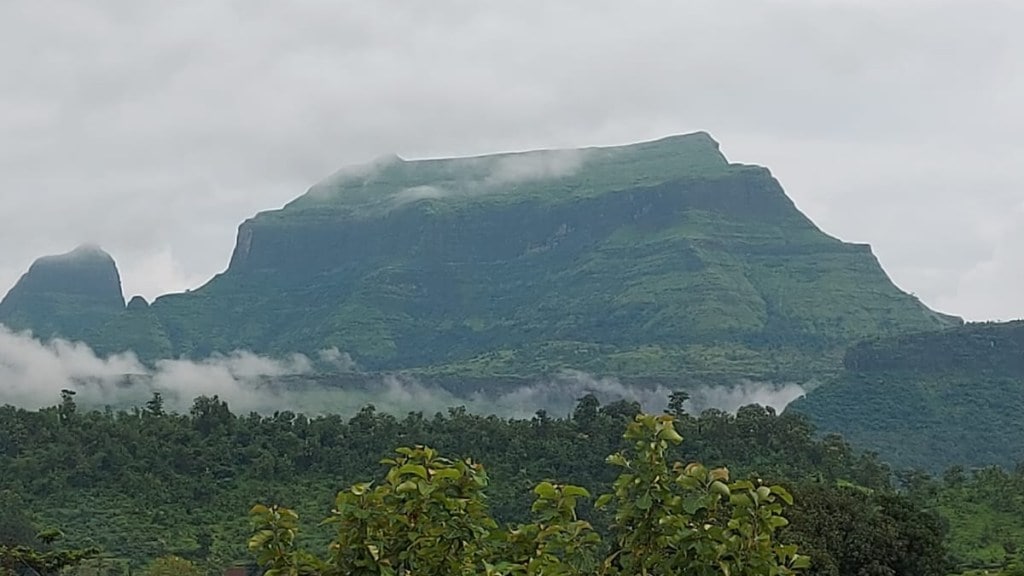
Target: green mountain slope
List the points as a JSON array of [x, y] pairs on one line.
[[931, 400], [659, 258]]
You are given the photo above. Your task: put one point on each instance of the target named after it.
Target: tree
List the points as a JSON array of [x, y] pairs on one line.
[[155, 406], [585, 413], [851, 531], [67, 407], [429, 517], [210, 414], [676, 404], [557, 542], [676, 519], [15, 526], [622, 410], [21, 559]]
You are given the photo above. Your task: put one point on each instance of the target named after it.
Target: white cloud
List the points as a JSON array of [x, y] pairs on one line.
[[33, 373], [418, 193], [732, 398], [542, 165], [338, 360]]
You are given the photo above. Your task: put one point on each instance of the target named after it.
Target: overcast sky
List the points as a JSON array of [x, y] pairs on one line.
[[154, 128]]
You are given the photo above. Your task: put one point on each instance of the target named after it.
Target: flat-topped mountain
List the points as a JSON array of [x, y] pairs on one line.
[[658, 258]]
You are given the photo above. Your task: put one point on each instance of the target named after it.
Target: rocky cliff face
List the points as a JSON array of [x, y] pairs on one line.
[[658, 258]]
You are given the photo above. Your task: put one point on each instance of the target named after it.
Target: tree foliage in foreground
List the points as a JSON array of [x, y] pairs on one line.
[[151, 482], [429, 517], [19, 559]]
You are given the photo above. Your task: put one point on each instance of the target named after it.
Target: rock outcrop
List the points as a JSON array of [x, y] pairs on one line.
[[66, 295]]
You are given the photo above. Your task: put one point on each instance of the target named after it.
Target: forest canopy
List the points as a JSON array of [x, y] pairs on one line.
[[148, 483]]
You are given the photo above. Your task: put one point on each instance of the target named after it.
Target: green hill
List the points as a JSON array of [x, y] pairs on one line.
[[931, 400], [658, 258]]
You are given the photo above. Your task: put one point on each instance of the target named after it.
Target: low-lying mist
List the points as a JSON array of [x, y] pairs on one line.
[[33, 372]]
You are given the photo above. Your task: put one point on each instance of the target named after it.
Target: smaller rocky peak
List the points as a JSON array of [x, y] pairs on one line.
[[86, 273], [137, 304]]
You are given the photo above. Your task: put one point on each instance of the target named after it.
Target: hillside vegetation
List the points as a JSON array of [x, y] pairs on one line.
[[931, 400]]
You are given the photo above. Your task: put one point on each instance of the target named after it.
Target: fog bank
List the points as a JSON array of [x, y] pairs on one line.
[[32, 374]]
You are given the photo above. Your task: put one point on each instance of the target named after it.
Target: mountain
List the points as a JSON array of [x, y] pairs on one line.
[[69, 295], [931, 400], [660, 258]]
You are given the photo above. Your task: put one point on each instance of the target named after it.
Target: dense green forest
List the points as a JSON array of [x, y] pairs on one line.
[[909, 397], [147, 484]]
